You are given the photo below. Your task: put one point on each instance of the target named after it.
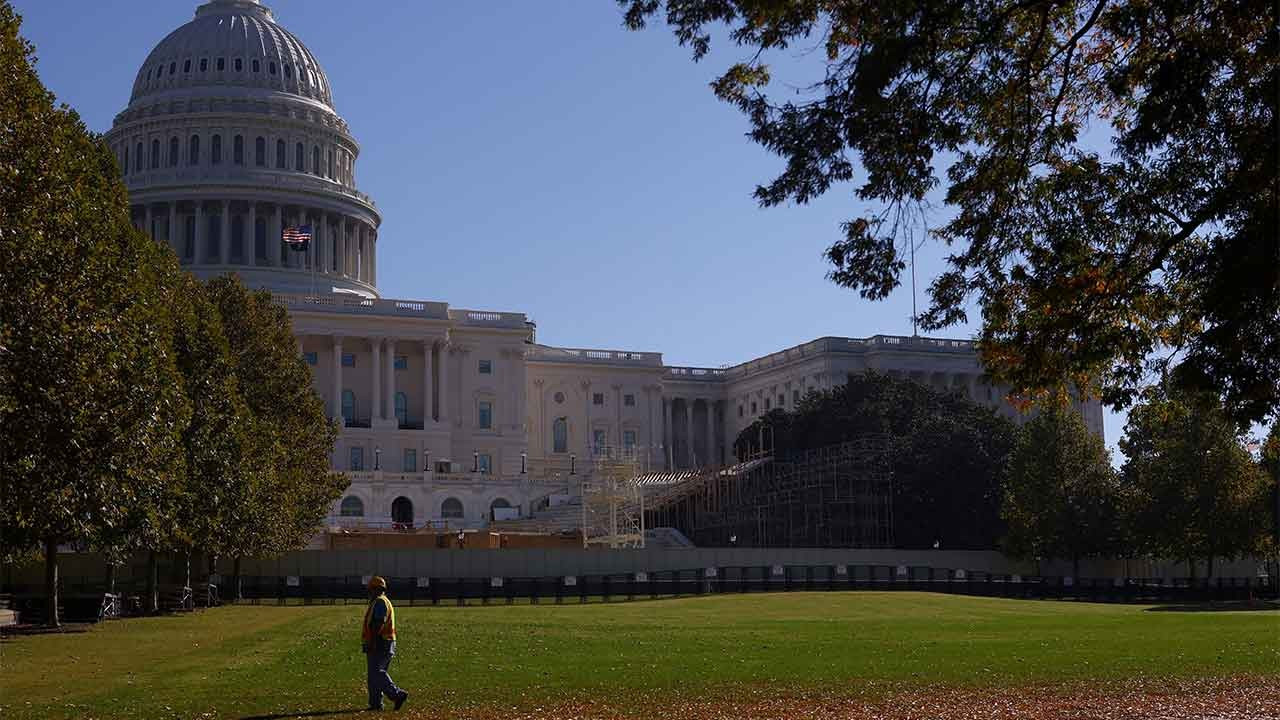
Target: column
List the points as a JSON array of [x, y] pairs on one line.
[[200, 251], [171, 234], [275, 249], [442, 390], [589, 432], [427, 346], [224, 246], [376, 344], [711, 433], [251, 236], [150, 228], [337, 379], [319, 242], [389, 385], [688, 425], [373, 257], [668, 431], [342, 246]]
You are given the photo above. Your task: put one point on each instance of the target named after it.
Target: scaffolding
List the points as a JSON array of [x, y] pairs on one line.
[[612, 501], [836, 496]]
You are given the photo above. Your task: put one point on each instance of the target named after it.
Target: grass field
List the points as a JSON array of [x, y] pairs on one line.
[[249, 661]]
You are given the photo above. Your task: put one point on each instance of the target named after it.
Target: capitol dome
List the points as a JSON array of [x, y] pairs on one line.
[[230, 138], [232, 44]]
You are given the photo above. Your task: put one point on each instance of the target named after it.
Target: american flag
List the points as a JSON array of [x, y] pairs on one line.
[[297, 238]]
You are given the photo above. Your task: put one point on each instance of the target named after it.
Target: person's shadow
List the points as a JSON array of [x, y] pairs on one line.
[[312, 714]]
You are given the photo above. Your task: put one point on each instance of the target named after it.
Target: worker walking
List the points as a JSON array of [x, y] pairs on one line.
[[378, 639]]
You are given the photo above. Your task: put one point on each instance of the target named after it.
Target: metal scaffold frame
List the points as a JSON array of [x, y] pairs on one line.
[[612, 500], [836, 496]]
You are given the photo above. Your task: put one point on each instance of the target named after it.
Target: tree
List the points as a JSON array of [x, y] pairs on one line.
[[1090, 271], [1061, 495], [946, 453], [1196, 493], [88, 386], [291, 485]]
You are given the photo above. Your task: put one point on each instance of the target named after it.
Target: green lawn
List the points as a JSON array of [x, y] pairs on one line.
[[242, 661]]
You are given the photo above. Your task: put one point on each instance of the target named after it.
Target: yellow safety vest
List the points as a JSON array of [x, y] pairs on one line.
[[388, 629]]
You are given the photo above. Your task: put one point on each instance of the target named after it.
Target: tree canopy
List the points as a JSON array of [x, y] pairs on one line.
[[1090, 269], [947, 453], [1195, 492], [1062, 498]]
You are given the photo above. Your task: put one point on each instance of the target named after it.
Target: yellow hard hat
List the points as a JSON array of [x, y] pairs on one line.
[[377, 583]]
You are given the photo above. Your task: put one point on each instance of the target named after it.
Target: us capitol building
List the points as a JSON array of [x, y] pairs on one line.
[[447, 415]]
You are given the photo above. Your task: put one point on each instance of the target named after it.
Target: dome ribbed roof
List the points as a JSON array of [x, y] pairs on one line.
[[232, 44]]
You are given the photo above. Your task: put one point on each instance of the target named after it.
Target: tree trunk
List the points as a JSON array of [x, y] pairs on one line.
[[187, 582], [51, 581], [153, 584], [111, 578], [235, 581]]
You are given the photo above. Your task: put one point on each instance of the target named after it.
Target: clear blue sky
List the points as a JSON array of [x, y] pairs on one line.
[[536, 157]]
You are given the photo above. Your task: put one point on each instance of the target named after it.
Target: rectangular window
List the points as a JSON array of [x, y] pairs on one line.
[[782, 400], [753, 408], [629, 400], [597, 399], [311, 358], [739, 411], [402, 362], [410, 460], [486, 367], [486, 415], [348, 359], [629, 439], [766, 404], [357, 459], [485, 463], [795, 396], [600, 439]]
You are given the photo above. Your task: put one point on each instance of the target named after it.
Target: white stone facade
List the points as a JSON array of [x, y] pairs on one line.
[[444, 413]]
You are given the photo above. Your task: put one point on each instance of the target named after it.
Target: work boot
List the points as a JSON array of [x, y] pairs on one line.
[[400, 700]]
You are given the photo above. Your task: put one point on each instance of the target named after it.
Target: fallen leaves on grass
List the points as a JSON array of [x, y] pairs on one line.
[[1225, 699]]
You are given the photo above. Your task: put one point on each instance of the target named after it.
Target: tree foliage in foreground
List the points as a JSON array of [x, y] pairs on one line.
[[1090, 269], [88, 386], [946, 453], [1195, 492], [1062, 498], [140, 410]]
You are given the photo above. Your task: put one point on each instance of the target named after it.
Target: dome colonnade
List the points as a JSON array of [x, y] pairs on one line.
[[229, 137]]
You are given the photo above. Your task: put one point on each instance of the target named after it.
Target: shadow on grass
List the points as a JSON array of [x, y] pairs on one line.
[[1240, 606], [312, 714]]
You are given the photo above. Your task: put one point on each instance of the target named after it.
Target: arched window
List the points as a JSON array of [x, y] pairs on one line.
[[237, 150], [222, 64], [256, 67], [137, 158], [352, 506], [272, 67], [126, 159], [173, 67], [402, 511], [193, 150], [239, 65], [451, 509], [260, 151], [330, 175], [173, 152], [300, 158], [315, 161], [186, 66], [497, 504], [215, 150], [280, 155], [155, 154], [402, 409], [348, 405], [560, 435], [213, 238]]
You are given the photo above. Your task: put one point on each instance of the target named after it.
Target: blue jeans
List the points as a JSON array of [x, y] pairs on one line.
[[380, 683]]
